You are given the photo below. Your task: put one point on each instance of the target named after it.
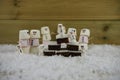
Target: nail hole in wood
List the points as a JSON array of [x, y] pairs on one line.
[[104, 38], [106, 28]]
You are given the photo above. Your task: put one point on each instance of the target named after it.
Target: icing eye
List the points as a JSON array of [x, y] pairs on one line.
[[46, 29], [27, 32], [84, 31], [82, 47], [60, 25], [34, 32]]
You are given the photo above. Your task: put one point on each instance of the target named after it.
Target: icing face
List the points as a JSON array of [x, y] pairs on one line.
[[84, 31], [34, 33], [61, 29], [24, 34], [72, 31], [45, 30]]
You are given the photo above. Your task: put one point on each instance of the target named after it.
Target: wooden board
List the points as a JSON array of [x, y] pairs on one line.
[[102, 17], [102, 32], [60, 9]]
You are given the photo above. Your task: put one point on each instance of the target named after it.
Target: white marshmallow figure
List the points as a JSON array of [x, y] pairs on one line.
[[24, 43], [83, 40], [45, 31], [34, 41], [85, 32], [61, 36], [72, 35], [72, 30], [41, 48], [46, 37], [83, 47], [61, 31]]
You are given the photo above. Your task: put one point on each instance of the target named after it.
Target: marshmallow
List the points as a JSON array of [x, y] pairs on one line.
[[83, 39], [73, 30], [61, 36], [24, 42], [61, 29], [83, 47], [24, 34], [72, 38], [46, 37], [85, 32], [45, 30], [34, 34], [34, 41], [72, 35], [46, 33]]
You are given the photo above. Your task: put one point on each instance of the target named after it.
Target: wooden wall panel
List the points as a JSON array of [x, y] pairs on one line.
[[7, 10], [60, 9], [29, 14], [102, 32]]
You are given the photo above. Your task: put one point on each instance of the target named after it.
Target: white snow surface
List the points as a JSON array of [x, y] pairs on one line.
[[100, 62]]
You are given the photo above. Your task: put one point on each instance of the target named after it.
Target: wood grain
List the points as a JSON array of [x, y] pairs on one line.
[[60, 9], [9, 29], [102, 17]]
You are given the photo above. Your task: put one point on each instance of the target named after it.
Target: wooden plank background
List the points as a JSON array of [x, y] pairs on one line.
[[59, 9], [102, 17], [107, 32]]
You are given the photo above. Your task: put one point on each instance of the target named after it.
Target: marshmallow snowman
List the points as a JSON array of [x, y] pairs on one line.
[[34, 41], [45, 31], [72, 30], [46, 37], [61, 31], [24, 43], [72, 35], [83, 40]]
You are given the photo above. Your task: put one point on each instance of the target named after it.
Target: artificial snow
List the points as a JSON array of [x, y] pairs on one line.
[[100, 62]]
